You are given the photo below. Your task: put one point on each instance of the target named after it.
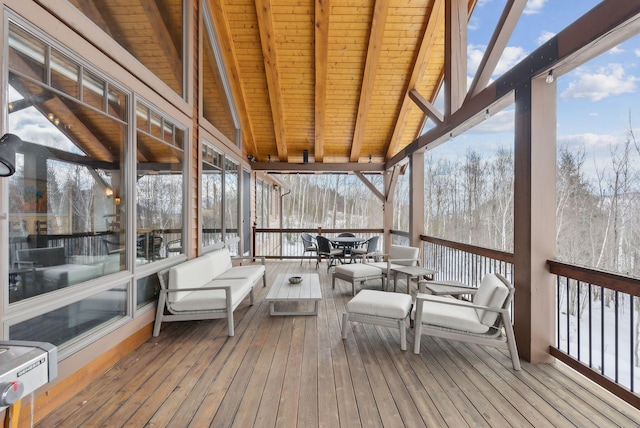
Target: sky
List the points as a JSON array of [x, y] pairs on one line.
[[596, 101]]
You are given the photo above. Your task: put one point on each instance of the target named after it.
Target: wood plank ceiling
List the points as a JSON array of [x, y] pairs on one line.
[[331, 77]]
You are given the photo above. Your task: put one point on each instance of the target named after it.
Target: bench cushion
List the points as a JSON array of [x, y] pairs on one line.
[[220, 261], [251, 272], [208, 300], [449, 316], [357, 270], [190, 274], [380, 304]]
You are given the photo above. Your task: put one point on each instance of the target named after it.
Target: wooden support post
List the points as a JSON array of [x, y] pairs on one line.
[[416, 200], [534, 218]]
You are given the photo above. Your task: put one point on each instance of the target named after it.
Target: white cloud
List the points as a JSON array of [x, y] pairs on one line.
[[637, 52], [604, 82], [544, 37], [510, 57], [616, 50], [534, 6]]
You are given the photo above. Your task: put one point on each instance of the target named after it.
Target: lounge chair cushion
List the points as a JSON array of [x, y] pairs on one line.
[[492, 292], [451, 316], [381, 304], [403, 252], [358, 270], [212, 299]]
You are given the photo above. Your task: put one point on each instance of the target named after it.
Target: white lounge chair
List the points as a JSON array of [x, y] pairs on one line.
[[485, 321]]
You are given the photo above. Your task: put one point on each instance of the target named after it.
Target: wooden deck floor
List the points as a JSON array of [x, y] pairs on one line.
[[297, 371]]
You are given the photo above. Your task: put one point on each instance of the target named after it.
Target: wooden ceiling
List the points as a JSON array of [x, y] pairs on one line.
[[331, 77]]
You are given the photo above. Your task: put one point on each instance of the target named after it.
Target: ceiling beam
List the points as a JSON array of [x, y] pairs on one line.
[[227, 48], [317, 167], [322, 13], [504, 28], [436, 21], [376, 37], [268, 41]]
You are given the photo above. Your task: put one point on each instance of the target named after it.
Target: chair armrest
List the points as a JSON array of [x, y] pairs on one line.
[[26, 264], [447, 288], [390, 261], [421, 297]]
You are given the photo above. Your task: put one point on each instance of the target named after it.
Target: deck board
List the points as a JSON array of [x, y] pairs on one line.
[[298, 371]]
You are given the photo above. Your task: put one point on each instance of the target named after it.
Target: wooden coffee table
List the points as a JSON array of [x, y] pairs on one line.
[[282, 291]]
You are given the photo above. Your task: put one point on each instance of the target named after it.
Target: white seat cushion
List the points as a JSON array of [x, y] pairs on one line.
[[463, 318], [357, 270], [208, 300], [251, 272], [380, 304]]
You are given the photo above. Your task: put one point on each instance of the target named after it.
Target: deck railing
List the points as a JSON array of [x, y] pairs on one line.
[[598, 325], [287, 243], [464, 263]]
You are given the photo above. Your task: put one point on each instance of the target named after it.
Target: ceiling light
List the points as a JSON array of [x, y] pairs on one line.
[[549, 78]]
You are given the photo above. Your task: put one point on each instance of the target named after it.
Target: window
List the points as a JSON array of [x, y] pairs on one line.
[[217, 102], [66, 198], [156, 43], [212, 194], [231, 202], [159, 186]]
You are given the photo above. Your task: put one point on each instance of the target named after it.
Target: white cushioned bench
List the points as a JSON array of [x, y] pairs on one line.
[[355, 272], [379, 308], [207, 287]]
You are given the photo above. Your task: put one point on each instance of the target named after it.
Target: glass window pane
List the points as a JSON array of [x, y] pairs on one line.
[[142, 118], [159, 195], [212, 195], [66, 197], [27, 54], [64, 74], [156, 43], [93, 89], [231, 199], [69, 323], [215, 103], [117, 103]]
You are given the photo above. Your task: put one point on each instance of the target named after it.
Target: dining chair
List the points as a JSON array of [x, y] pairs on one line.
[[326, 251], [309, 246], [369, 249]]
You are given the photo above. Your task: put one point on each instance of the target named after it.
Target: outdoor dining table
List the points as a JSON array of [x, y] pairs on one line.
[[347, 243]]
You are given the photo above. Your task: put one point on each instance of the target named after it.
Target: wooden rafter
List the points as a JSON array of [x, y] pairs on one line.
[[376, 36], [267, 39], [322, 13], [455, 54], [223, 32], [504, 28], [436, 20], [428, 108], [369, 185]]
